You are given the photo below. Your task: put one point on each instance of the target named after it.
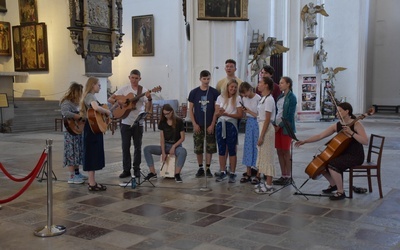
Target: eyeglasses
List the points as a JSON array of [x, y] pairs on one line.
[[167, 113]]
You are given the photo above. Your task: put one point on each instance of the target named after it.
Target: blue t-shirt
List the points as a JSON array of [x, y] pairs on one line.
[[197, 95]]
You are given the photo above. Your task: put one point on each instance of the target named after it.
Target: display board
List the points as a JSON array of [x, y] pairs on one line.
[[308, 104]]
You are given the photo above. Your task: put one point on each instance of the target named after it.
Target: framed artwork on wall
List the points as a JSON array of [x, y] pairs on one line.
[[143, 35], [30, 47], [27, 11], [223, 10], [3, 7], [5, 39]]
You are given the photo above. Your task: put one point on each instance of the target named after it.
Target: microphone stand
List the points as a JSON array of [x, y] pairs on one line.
[[204, 103]]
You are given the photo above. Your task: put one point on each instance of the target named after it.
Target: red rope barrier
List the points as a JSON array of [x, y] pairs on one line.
[[32, 177], [41, 160]]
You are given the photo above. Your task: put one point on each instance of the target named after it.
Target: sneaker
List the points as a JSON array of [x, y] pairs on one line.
[[200, 173], [75, 180], [178, 178], [125, 174], [150, 176], [261, 189], [208, 173], [83, 177], [136, 172], [222, 176], [232, 178]]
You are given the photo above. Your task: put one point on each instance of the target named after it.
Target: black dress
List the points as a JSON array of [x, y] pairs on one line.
[[93, 145], [353, 155]]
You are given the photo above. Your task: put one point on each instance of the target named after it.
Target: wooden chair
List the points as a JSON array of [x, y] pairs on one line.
[[153, 117], [373, 162]]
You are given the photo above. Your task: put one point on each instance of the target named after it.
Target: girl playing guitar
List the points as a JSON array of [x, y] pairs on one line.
[[353, 155]]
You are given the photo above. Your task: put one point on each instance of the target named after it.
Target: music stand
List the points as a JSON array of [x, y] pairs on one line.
[[291, 134]]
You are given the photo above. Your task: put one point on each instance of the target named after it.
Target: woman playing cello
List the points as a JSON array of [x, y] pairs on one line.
[[353, 155]]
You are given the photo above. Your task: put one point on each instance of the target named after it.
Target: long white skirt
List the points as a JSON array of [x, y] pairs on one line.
[[266, 152]]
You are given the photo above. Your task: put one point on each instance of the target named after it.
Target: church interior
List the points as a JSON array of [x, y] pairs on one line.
[[343, 47]]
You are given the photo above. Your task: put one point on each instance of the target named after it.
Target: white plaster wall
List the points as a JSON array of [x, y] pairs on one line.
[[165, 67], [383, 84]]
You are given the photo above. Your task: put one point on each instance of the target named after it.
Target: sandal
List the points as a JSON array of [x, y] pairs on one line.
[[245, 179], [329, 190], [359, 190], [337, 196], [255, 181], [261, 189], [97, 187]]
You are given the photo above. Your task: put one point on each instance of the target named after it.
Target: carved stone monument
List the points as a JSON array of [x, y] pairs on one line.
[[96, 32]]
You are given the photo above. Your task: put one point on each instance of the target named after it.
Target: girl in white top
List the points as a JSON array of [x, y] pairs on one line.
[[266, 147], [250, 102], [228, 111]]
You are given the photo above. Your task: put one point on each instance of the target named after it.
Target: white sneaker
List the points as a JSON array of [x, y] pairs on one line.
[[83, 177], [75, 180]]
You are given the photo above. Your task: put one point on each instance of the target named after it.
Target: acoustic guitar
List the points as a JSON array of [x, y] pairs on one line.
[[129, 103], [98, 121], [74, 127], [334, 148]]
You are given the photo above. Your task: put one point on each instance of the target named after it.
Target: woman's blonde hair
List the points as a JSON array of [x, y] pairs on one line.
[[225, 93], [91, 82], [73, 94]]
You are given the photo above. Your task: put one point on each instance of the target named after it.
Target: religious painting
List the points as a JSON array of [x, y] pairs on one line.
[[223, 10], [143, 35], [3, 7], [30, 47], [5, 39], [27, 11]]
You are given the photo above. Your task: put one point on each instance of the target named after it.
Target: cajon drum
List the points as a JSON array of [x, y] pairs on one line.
[[168, 171]]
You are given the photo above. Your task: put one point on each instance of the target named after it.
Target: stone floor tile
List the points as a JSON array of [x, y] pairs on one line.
[[215, 209], [87, 232], [206, 221], [267, 228], [149, 210], [120, 239], [254, 215], [343, 215], [183, 216], [380, 238], [134, 229], [98, 201]]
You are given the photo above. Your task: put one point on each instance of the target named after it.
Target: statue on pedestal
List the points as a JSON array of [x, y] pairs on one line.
[[309, 17], [319, 58]]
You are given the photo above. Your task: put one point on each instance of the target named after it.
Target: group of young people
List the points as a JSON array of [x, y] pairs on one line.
[[215, 114], [226, 106]]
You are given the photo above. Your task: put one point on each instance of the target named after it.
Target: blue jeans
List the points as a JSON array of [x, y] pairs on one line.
[[150, 150]]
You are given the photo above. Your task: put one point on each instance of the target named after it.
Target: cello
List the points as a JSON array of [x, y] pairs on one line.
[[334, 147]]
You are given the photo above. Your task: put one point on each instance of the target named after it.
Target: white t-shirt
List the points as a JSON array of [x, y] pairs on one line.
[[251, 104], [266, 104], [279, 105], [229, 108], [140, 105]]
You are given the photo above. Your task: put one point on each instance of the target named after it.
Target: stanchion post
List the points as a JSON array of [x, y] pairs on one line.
[[50, 230]]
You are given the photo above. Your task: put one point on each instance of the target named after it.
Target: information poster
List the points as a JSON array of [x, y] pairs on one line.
[[308, 108]]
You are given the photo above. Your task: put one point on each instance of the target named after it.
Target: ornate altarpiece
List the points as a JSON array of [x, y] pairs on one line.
[[96, 32]]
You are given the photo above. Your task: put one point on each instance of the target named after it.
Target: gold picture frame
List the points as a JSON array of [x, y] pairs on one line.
[[30, 47], [5, 39], [27, 11], [223, 10], [143, 35]]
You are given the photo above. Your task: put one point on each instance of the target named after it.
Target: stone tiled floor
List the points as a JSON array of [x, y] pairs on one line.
[[180, 216]]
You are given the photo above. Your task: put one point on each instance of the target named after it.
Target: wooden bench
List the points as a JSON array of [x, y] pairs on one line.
[[394, 108]]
